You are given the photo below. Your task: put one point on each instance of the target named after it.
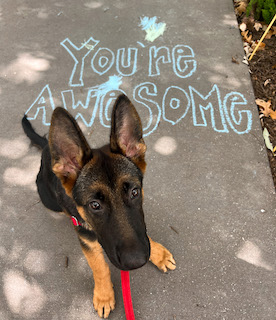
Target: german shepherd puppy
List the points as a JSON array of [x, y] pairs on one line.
[[102, 191]]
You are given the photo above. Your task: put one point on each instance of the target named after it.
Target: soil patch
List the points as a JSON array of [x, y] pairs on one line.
[[263, 75]]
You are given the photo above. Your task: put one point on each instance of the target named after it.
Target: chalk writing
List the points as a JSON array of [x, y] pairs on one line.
[[172, 104], [131, 61], [176, 103], [182, 62], [71, 48], [43, 103]]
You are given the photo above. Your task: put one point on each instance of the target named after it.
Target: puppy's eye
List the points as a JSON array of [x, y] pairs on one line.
[[95, 205], [135, 193]]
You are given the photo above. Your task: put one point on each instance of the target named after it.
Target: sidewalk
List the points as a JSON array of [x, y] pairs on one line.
[[209, 196]]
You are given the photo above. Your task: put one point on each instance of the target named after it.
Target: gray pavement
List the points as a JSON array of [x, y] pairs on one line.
[[209, 196]]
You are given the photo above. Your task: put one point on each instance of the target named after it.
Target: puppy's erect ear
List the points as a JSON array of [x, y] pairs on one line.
[[68, 147], [126, 132]]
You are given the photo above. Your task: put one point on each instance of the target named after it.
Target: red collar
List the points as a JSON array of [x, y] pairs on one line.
[[75, 221]]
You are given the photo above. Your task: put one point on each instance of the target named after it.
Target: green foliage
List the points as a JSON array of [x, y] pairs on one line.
[[262, 9]]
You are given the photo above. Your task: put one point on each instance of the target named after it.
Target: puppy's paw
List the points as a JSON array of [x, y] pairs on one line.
[[161, 257], [104, 301]]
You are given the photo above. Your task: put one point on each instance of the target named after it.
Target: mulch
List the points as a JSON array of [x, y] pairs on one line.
[[263, 75]]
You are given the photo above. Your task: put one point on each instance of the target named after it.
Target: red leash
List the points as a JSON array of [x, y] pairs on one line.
[[127, 295]]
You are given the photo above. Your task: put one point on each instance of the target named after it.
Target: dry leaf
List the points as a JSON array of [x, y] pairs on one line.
[[248, 50], [245, 36], [258, 26], [266, 106], [267, 140], [273, 114], [269, 34], [234, 60], [261, 46], [267, 82], [241, 7], [243, 26], [271, 28], [245, 61]]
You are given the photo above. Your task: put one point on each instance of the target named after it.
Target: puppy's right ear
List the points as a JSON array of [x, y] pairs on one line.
[[68, 147]]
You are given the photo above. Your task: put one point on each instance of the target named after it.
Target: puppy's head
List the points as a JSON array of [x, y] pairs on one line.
[[106, 184]]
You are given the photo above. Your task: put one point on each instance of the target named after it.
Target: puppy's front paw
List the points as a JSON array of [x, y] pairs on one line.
[[161, 257], [104, 301]]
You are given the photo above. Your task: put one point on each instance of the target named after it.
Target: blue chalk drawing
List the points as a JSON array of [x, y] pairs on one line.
[[155, 55], [153, 108], [180, 53], [147, 22], [87, 47], [236, 99], [131, 61], [141, 44], [44, 103], [153, 29], [106, 103], [102, 61], [91, 102], [96, 94], [113, 83], [215, 109], [175, 103]]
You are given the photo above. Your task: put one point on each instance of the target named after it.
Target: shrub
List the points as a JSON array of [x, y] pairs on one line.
[[262, 9]]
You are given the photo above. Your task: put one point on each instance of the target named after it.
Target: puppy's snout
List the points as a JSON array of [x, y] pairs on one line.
[[132, 258]]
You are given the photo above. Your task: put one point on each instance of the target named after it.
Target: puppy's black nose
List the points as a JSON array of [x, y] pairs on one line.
[[130, 258]]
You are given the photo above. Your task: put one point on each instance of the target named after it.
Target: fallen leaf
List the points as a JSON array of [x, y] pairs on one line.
[[273, 114], [248, 50], [241, 7], [245, 61], [257, 26], [243, 26], [267, 82], [265, 106], [271, 28], [234, 60], [269, 34], [245, 36], [261, 46], [267, 140]]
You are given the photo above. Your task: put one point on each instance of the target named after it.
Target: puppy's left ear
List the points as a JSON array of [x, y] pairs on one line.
[[126, 132]]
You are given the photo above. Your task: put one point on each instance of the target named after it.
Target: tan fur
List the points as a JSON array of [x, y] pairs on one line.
[[103, 298], [161, 257]]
